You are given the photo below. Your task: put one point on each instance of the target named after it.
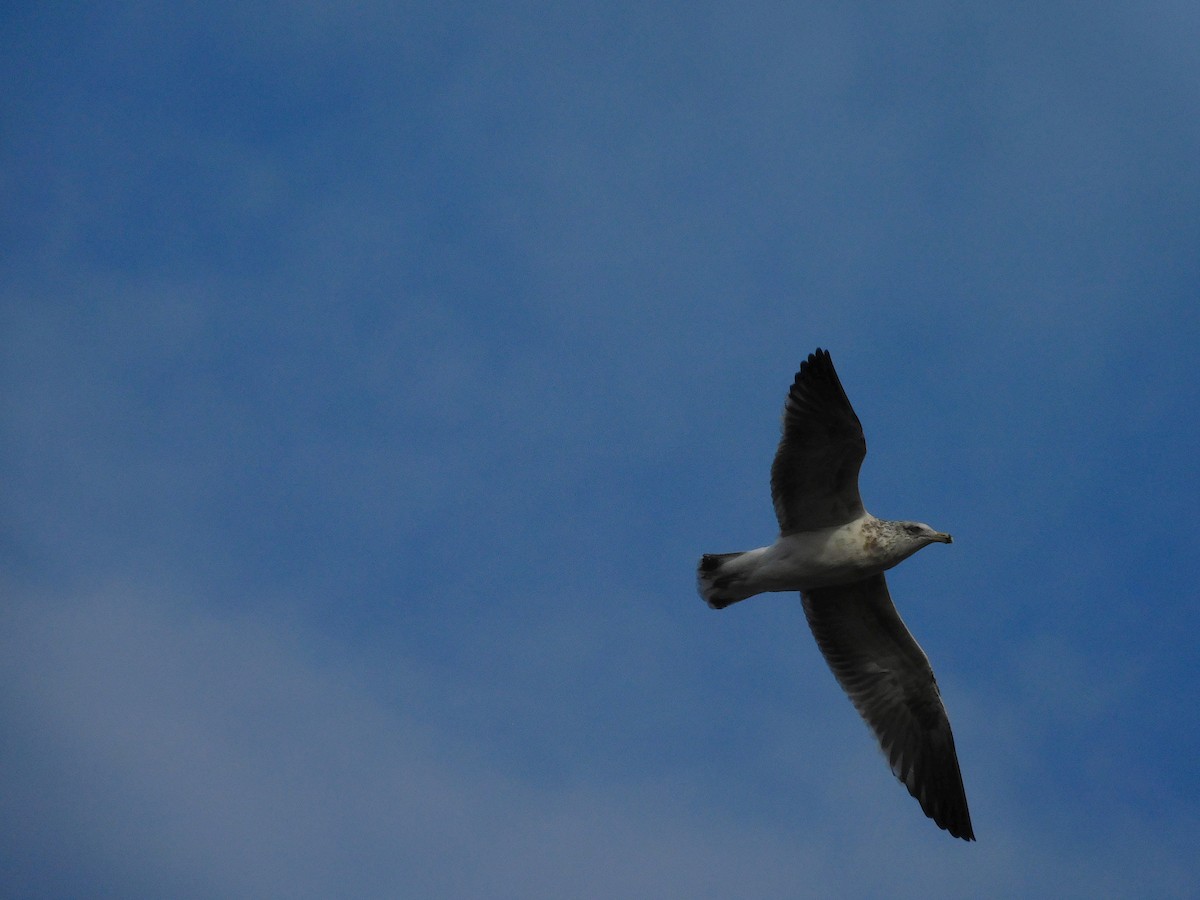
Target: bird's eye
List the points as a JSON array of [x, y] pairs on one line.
[[913, 529]]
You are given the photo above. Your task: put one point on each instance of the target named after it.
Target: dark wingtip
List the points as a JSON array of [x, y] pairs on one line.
[[954, 818], [818, 362], [816, 358]]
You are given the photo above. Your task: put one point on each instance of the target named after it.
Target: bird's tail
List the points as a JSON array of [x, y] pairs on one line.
[[720, 583]]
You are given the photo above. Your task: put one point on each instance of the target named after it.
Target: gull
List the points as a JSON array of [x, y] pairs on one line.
[[834, 553]]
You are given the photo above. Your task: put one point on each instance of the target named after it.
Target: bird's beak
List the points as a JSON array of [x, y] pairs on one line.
[[944, 538]]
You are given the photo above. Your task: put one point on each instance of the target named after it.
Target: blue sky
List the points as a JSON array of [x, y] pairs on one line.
[[374, 375]]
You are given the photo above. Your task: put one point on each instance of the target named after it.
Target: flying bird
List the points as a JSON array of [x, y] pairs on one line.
[[834, 553]]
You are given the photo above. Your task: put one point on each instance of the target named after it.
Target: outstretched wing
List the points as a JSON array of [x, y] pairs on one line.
[[889, 680], [814, 478]]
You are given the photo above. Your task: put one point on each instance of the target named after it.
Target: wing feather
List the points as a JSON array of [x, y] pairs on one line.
[[889, 680], [814, 478]]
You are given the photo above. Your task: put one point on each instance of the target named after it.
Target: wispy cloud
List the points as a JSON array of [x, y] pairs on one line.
[[171, 748]]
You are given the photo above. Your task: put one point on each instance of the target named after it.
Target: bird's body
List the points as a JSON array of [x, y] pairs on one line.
[[834, 553], [804, 560]]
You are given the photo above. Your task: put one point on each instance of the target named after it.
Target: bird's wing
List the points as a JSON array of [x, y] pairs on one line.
[[814, 479], [887, 676]]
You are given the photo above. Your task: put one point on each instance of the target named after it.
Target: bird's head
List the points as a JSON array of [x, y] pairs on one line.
[[906, 538], [922, 535]]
